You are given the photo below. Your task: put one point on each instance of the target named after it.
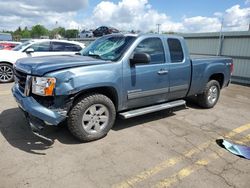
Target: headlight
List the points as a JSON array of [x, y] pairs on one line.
[[43, 86]]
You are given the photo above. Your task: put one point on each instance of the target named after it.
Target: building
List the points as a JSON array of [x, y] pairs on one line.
[[5, 37]]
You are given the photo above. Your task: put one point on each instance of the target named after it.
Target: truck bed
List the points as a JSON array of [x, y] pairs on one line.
[[200, 64]]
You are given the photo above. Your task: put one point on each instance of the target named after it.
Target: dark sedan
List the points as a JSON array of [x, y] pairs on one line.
[[104, 30]]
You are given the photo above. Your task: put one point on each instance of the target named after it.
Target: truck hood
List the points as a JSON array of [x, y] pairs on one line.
[[42, 65]]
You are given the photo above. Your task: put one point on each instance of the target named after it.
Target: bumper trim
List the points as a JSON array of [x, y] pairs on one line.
[[36, 127], [33, 108]]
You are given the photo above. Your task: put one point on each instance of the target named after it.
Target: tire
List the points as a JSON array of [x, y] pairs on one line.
[[210, 96], [6, 73], [91, 117]]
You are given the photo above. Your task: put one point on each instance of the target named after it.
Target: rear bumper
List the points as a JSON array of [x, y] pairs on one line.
[[33, 109]]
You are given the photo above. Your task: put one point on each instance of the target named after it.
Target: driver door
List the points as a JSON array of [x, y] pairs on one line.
[[146, 84]]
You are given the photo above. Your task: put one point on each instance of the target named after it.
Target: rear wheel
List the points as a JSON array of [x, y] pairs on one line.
[[210, 96], [91, 117], [6, 73]]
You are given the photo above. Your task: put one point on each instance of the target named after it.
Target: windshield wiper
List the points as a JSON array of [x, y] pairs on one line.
[[94, 55]]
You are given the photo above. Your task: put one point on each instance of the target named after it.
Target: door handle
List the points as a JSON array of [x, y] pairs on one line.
[[162, 71]]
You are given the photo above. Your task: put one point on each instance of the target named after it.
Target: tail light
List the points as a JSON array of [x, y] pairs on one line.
[[231, 67]]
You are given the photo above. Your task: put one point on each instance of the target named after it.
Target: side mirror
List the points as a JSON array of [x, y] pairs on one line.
[[30, 50], [140, 58]]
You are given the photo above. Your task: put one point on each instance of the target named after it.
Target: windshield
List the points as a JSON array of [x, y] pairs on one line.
[[21, 46], [108, 47]]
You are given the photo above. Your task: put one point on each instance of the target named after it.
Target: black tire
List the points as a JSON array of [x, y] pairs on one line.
[[204, 100], [6, 73], [75, 119]]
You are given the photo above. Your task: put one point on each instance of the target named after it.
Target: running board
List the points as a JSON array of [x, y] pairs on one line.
[[150, 109]]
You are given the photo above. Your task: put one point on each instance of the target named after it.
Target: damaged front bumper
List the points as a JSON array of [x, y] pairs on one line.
[[37, 115]]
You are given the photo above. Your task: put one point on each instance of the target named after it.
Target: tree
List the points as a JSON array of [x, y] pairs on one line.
[[60, 30], [71, 33], [17, 34], [38, 30], [18, 31], [169, 32], [26, 33]]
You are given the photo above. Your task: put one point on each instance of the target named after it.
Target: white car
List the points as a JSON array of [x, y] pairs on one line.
[[34, 48], [86, 34]]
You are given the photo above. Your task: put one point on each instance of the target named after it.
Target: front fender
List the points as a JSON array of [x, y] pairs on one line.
[[74, 80]]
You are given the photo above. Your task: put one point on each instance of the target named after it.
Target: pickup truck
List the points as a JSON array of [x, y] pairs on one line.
[[125, 75]]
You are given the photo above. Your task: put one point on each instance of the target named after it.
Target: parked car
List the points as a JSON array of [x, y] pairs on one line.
[[33, 48], [86, 34], [104, 30], [128, 75], [8, 45]]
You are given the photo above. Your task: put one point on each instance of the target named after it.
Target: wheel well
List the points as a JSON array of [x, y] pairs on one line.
[[218, 77], [110, 92], [6, 63]]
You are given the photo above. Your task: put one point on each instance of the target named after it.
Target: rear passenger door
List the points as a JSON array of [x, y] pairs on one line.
[[61, 48], [146, 84], [179, 69]]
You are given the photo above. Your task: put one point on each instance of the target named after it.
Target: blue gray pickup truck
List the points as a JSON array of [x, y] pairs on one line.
[[125, 75]]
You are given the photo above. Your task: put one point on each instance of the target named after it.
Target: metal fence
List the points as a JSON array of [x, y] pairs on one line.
[[230, 44]]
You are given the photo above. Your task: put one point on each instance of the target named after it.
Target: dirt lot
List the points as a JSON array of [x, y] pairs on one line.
[[156, 150]]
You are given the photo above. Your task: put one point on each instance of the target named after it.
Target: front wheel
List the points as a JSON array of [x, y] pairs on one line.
[[91, 117], [6, 73], [210, 96]]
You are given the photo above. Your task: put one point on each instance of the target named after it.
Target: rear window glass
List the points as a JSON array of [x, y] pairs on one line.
[[175, 49]]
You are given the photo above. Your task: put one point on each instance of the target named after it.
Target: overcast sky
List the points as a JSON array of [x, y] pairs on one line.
[[177, 15]]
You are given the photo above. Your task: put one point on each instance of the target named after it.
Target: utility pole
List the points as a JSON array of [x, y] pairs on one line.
[[56, 35], [158, 28], [220, 38], [249, 24]]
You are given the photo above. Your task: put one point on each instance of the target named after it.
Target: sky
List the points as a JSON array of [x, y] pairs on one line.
[[144, 15]]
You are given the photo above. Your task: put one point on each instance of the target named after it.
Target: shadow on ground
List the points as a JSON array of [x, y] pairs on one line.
[[16, 131]]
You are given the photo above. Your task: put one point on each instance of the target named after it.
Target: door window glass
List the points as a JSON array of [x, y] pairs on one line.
[[153, 47], [41, 47]]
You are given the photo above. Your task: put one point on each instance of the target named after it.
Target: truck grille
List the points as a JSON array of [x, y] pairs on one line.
[[20, 78]]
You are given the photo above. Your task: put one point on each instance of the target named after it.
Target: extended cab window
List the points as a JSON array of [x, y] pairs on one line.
[[175, 49], [41, 47], [153, 47]]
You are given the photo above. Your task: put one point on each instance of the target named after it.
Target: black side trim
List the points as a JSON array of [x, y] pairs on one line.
[[179, 88], [147, 93]]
